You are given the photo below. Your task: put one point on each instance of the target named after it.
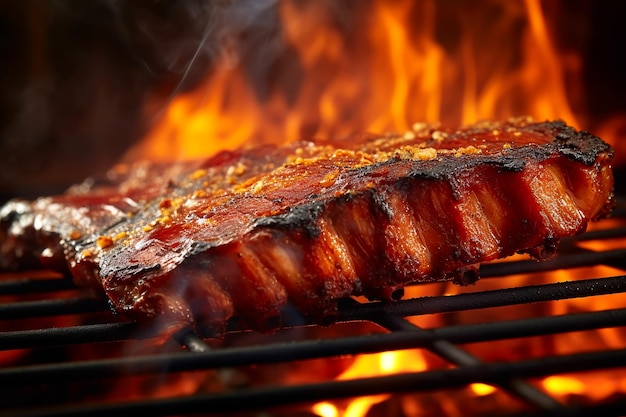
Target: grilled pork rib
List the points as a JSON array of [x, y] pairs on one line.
[[306, 224]]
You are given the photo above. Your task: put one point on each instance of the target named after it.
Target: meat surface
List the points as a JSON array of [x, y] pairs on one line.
[[261, 231]]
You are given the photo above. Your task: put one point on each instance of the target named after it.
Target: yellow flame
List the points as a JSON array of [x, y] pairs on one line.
[[325, 409], [482, 389], [542, 63], [373, 365], [564, 385]]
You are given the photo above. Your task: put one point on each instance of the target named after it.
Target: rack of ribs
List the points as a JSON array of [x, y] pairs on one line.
[[256, 232]]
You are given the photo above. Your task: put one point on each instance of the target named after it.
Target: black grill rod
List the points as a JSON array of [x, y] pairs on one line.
[[486, 299], [600, 234], [462, 358], [54, 307], [32, 285], [360, 312], [64, 336], [567, 261], [310, 349], [256, 399], [528, 294]]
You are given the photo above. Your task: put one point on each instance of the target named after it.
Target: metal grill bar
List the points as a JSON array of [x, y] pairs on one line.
[[348, 311], [302, 350], [29, 285], [259, 398], [63, 336], [488, 299], [568, 261], [52, 307], [611, 233]]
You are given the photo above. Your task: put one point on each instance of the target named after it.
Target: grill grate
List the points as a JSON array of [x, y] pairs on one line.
[[25, 300]]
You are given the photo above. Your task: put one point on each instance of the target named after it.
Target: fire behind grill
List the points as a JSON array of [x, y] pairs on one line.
[[46, 378]]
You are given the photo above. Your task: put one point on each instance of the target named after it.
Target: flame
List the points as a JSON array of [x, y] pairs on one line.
[[611, 130], [482, 389], [564, 385], [380, 67], [372, 365], [325, 409]]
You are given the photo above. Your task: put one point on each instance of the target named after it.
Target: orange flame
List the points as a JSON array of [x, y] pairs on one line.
[[382, 68], [372, 365]]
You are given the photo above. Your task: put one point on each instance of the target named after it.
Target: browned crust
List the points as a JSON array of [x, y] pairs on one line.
[[306, 224]]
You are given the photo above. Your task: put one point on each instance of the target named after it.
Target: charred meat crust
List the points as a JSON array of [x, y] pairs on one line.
[[579, 146], [302, 218], [254, 233]]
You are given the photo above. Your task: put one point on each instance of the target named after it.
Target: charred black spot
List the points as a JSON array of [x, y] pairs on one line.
[[397, 295], [200, 247], [137, 269], [466, 276], [381, 206], [301, 218], [581, 146]]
